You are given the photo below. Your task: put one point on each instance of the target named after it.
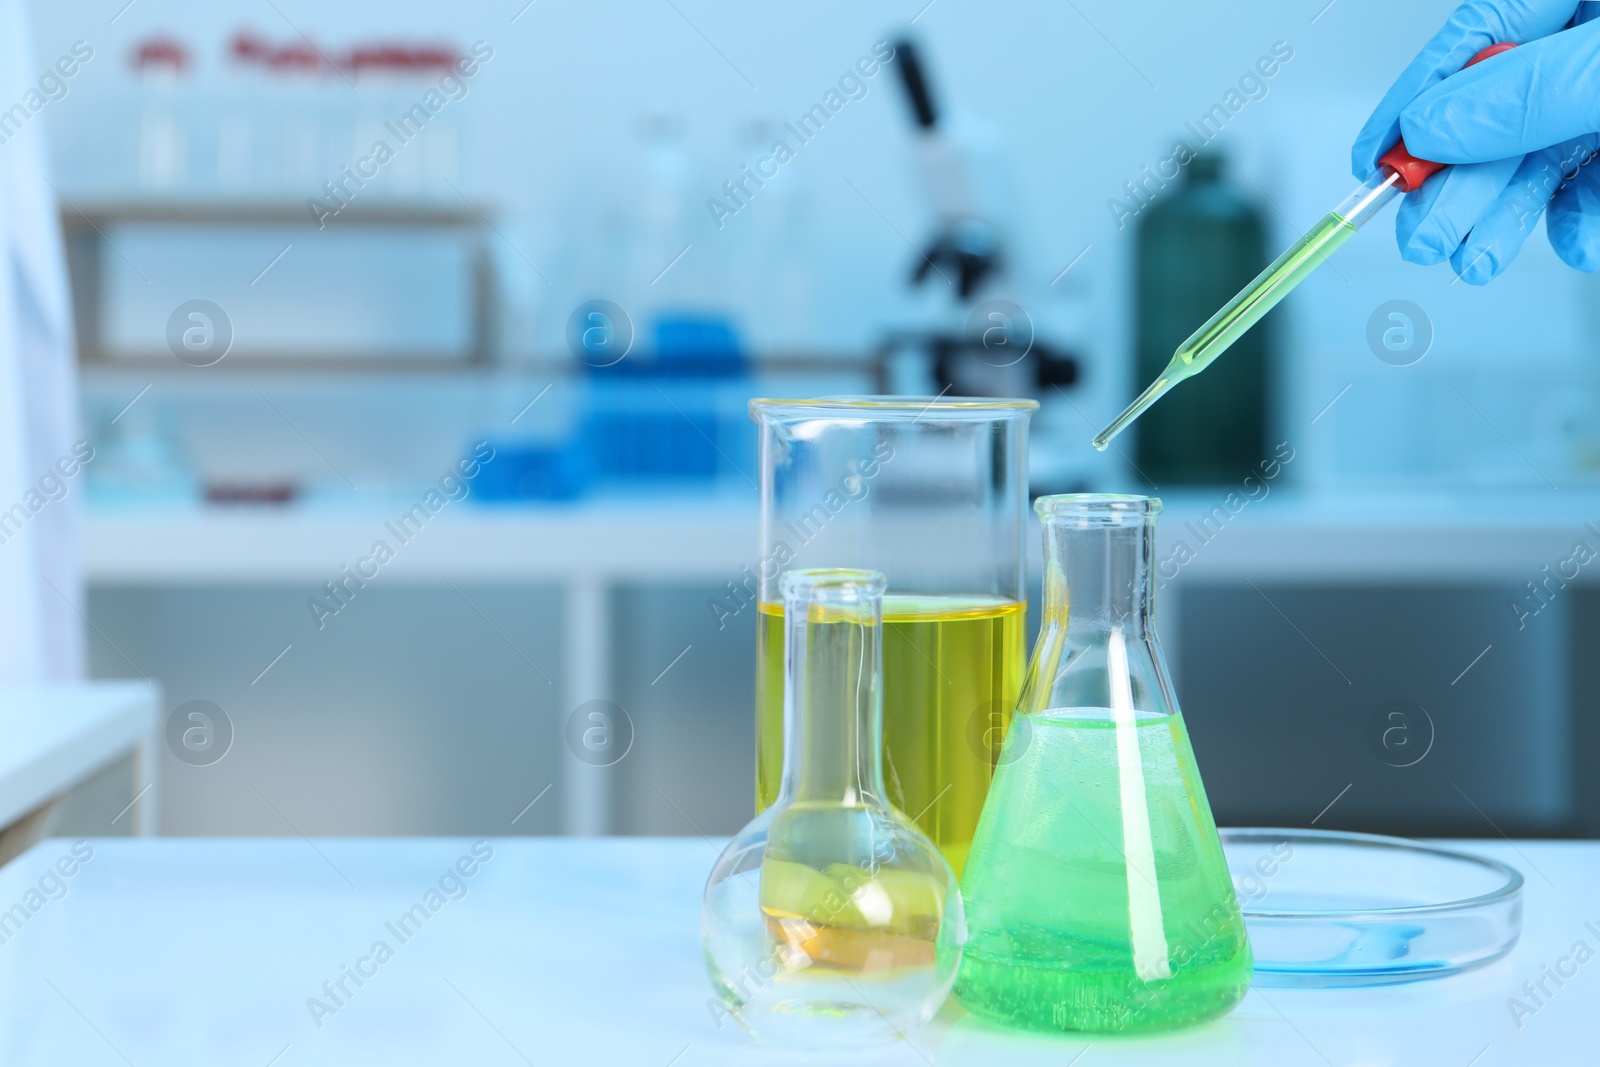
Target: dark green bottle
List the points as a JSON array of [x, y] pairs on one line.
[[1197, 246]]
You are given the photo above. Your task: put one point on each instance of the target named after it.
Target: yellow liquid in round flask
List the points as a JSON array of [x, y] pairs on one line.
[[830, 920]]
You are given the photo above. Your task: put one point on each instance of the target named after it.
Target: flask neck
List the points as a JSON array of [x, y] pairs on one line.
[[1097, 576], [833, 688]]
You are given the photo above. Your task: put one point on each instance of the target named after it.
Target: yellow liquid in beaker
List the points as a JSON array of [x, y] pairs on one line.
[[952, 670]]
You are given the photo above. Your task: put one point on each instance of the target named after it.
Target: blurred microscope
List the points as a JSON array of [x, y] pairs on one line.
[[980, 334]]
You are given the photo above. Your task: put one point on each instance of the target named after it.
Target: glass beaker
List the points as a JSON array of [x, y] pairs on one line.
[[932, 492], [830, 919], [1097, 894]]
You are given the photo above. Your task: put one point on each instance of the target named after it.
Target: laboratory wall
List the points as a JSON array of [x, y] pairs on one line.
[[393, 312]]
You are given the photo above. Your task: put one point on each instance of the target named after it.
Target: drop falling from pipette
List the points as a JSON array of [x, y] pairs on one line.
[[1398, 172]]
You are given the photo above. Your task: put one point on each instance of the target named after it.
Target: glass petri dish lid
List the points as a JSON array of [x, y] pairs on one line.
[[1326, 908]]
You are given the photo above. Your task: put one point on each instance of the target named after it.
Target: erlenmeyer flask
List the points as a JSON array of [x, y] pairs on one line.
[[831, 919], [1096, 890]]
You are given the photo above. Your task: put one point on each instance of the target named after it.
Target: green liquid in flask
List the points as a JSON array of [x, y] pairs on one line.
[[1097, 894], [1239, 314]]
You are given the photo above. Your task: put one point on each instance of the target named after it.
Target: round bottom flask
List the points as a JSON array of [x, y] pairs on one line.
[[830, 920]]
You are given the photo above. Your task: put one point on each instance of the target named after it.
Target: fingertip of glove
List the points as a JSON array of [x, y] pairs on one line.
[[1423, 247], [1481, 269], [1576, 240], [1377, 134], [1428, 129], [1421, 253], [1421, 240], [1369, 147], [1582, 254]]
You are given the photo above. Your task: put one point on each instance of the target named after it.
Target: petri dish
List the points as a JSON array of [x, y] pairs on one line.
[[1326, 908]]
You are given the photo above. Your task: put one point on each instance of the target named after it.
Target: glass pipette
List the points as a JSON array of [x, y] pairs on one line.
[[1398, 172]]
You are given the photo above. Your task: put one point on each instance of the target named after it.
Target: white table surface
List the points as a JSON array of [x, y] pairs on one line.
[[58, 734], [586, 951]]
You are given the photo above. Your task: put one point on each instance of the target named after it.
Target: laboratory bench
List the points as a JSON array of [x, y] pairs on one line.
[[1362, 548], [78, 755], [1289, 533], [580, 950]]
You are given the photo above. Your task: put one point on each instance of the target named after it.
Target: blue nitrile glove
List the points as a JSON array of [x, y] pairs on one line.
[[1511, 127]]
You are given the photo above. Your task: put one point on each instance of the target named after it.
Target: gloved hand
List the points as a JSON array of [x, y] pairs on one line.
[[1516, 129]]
